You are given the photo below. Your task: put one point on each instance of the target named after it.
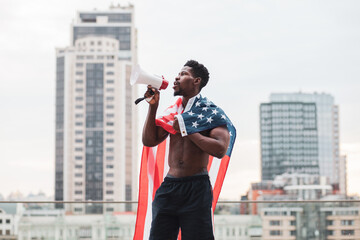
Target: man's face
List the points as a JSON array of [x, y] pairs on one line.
[[184, 82]]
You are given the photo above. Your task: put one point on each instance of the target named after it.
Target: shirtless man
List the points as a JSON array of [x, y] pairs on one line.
[[184, 199]]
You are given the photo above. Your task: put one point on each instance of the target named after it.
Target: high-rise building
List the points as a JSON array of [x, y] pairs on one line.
[[96, 126], [300, 134]]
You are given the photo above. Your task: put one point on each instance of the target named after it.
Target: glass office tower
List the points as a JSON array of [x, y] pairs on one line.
[[300, 133]]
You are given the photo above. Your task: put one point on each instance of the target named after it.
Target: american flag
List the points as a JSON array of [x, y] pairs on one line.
[[199, 114]]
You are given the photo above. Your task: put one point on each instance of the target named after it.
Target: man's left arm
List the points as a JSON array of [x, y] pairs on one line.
[[216, 144]]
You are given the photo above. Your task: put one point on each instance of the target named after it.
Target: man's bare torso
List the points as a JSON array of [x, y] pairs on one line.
[[185, 158]]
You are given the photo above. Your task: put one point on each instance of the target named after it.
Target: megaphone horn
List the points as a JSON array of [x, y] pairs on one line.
[[139, 76]]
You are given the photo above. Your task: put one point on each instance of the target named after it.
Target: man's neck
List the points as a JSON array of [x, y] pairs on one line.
[[187, 98]]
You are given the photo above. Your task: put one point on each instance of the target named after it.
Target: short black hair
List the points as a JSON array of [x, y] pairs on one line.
[[199, 70]]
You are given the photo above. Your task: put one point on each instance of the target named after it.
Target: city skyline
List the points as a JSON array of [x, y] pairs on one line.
[[271, 47]]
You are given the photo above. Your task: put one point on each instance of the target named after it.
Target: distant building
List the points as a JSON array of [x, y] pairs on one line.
[[300, 134], [96, 120], [343, 175], [281, 223], [237, 227], [9, 216], [340, 223]]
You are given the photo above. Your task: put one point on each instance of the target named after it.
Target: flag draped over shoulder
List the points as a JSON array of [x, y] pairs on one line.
[[199, 114]]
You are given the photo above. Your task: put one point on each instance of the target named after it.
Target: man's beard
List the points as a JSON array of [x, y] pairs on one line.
[[178, 93]]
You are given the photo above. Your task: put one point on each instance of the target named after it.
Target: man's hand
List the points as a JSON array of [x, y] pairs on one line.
[[176, 125], [152, 99]]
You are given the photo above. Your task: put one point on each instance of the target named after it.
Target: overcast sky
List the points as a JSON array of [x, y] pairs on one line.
[[251, 48]]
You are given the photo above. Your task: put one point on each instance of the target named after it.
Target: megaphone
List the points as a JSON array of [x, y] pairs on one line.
[[139, 76]]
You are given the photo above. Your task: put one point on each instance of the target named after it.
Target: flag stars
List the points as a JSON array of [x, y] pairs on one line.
[[230, 134], [209, 120], [195, 124], [223, 116], [215, 111], [208, 103], [191, 113], [205, 109], [200, 116], [197, 104]]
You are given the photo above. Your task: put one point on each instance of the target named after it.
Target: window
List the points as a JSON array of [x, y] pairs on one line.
[[78, 98], [110, 64], [109, 158], [110, 115], [77, 209], [109, 81], [109, 209], [78, 174], [7, 232], [110, 90], [293, 223], [78, 183], [109, 124], [79, 81], [7, 221], [78, 90], [78, 124], [78, 166], [79, 115], [329, 232], [347, 232], [78, 192], [109, 184], [109, 166], [79, 73], [78, 132], [78, 149], [78, 140], [78, 157], [274, 223], [109, 192], [109, 175], [109, 140], [110, 106], [110, 132], [275, 233], [293, 233], [347, 222]]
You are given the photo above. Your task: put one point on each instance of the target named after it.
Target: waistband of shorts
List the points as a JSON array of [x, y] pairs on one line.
[[187, 179]]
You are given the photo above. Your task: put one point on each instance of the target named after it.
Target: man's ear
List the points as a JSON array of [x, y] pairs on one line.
[[197, 81]]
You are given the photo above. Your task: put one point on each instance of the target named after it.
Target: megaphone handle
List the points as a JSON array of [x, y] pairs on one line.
[[142, 98], [139, 100]]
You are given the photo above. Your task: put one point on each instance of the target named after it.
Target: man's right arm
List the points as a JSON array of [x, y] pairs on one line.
[[152, 135]]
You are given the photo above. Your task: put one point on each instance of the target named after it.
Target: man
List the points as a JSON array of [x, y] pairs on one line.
[[184, 199]]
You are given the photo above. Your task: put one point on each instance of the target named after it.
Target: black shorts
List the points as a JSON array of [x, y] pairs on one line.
[[184, 203]]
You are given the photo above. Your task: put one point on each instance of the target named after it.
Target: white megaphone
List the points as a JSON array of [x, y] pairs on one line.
[[139, 76]]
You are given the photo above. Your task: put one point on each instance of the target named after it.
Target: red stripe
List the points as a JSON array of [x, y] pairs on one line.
[[210, 162], [143, 196], [165, 126], [220, 179], [159, 166]]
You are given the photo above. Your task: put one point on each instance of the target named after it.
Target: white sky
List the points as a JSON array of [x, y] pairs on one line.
[[251, 48]]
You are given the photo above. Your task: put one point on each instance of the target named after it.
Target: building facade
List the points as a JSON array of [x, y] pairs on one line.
[[96, 134], [300, 134], [340, 222]]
